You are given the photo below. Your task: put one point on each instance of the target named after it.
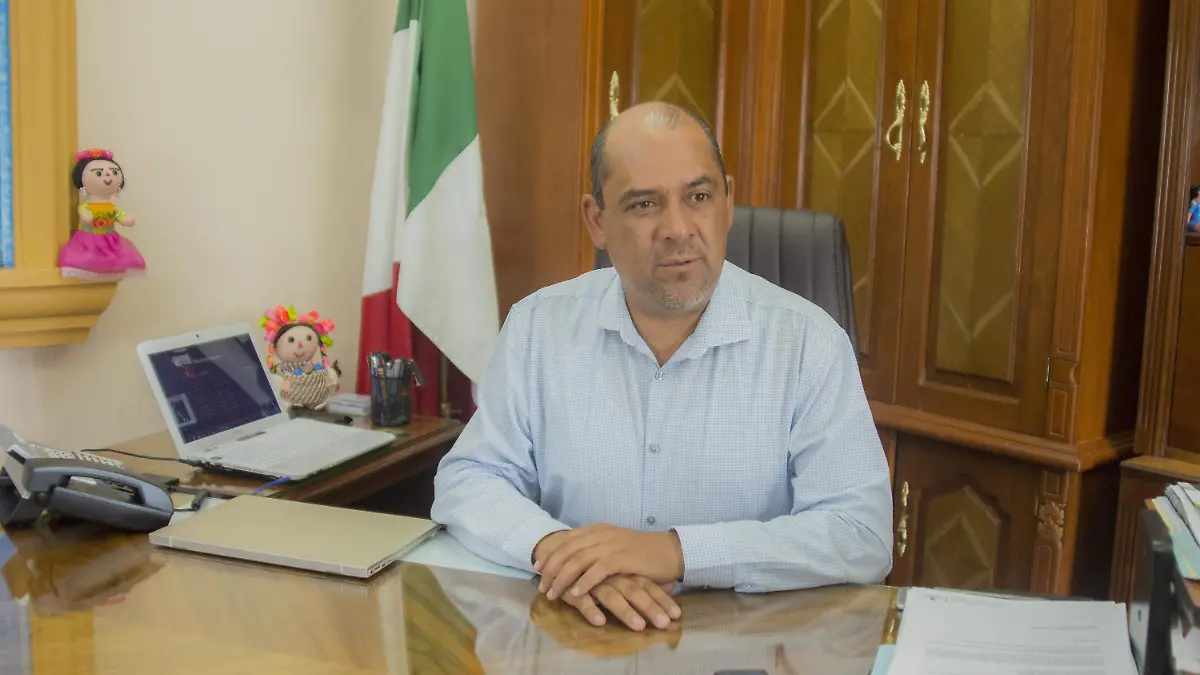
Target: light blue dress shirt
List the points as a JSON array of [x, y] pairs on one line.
[[754, 442]]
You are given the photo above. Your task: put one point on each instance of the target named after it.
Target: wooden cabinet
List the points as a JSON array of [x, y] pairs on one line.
[[987, 173], [963, 518], [1168, 435], [991, 160]]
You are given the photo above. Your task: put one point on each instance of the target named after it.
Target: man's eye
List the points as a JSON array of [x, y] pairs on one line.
[[701, 197], [642, 205]]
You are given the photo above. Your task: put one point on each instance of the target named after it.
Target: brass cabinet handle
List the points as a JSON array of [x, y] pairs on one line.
[[902, 527], [614, 93], [898, 124], [922, 118]]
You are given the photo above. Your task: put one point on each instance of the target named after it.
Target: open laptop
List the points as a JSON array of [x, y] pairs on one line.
[[298, 534], [224, 412]]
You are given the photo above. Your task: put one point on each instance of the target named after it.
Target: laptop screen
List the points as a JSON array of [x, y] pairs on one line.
[[214, 386]]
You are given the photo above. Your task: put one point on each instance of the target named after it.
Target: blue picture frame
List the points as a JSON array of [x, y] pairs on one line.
[[7, 248]]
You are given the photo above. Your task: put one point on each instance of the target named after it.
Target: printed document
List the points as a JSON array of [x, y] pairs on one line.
[[946, 633]]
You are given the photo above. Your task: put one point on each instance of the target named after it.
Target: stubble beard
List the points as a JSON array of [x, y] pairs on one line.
[[683, 295]]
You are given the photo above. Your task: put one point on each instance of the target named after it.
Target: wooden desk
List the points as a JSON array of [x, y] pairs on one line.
[[419, 449], [116, 604]]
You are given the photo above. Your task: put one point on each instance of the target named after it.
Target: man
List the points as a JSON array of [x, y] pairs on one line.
[[673, 419]]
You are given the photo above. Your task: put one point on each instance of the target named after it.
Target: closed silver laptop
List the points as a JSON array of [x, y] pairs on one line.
[[305, 536]]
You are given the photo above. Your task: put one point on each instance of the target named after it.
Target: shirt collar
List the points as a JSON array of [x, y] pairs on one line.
[[725, 320]]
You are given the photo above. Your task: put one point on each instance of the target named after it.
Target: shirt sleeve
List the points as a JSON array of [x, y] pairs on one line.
[[839, 528], [486, 491]]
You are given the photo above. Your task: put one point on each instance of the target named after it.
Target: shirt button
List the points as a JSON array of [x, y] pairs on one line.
[[658, 375], [650, 520], [653, 448]]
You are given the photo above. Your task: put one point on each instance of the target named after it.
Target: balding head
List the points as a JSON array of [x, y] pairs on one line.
[[644, 117], [662, 206]]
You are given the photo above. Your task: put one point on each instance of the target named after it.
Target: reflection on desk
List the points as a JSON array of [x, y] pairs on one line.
[[116, 604]]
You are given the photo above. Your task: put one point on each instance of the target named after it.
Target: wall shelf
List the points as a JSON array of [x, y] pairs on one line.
[[38, 306]]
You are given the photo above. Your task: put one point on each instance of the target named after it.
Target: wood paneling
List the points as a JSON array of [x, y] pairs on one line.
[[1097, 518], [527, 64], [1119, 257], [750, 92], [1184, 429], [969, 521], [1175, 173], [983, 210], [843, 61]]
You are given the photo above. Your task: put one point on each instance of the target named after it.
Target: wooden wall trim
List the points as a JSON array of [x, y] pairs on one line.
[[1049, 572], [1166, 258], [750, 98], [43, 66], [1080, 457], [1078, 191], [767, 27], [593, 103], [1082, 138]]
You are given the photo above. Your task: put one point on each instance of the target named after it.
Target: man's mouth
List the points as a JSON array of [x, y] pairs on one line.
[[678, 262]]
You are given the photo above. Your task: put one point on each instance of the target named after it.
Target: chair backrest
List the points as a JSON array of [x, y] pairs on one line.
[[802, 251]]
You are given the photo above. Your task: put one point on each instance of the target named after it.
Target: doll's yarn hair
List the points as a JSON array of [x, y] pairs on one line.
[[280, 320], [1194, 192], [85, 157]]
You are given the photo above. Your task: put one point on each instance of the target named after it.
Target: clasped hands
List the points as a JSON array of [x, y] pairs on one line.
[[628, 572]]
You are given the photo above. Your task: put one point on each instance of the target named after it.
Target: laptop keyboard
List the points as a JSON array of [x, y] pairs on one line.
[[295, 438]]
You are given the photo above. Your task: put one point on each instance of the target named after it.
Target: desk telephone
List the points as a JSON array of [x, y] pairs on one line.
[[36, 479]]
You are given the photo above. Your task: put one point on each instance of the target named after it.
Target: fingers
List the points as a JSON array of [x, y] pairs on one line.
[[565, 581], [558, 555], [587, 607], [595, 574], [662, 599], [647, 606], [614, 602]]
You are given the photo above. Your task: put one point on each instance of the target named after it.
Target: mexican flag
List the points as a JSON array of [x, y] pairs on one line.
[[429, 253]]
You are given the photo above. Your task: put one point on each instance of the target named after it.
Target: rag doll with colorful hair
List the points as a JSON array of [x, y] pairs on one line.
[[296, 353]]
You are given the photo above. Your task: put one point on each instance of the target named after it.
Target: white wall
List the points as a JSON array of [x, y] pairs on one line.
[[247, 132]]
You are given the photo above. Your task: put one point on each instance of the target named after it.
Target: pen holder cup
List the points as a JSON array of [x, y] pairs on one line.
[[391, 401]]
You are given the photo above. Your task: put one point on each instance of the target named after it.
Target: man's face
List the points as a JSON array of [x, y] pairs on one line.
[[666, 216]]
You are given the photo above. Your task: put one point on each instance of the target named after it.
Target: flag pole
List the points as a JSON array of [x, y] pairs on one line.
[[444, 386]]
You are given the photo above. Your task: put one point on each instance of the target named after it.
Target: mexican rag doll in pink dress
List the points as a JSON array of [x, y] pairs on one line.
[[96, 252]]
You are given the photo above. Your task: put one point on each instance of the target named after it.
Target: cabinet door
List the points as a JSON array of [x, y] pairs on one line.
[[964, 519], [848, 97], [663, 50], [984, 208]]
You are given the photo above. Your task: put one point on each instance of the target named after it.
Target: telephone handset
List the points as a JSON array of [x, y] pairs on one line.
[[32, 482]]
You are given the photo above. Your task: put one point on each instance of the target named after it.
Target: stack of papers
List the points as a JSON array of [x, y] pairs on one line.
[[1179, 510], [947, 633], [350, 404]]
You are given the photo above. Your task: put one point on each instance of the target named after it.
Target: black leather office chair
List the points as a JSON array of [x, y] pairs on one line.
[[803, 251]]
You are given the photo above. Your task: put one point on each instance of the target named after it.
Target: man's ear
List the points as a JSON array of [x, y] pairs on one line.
[[593, 218], [729, 198]]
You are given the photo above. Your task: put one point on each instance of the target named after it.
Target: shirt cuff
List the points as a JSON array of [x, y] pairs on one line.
[[707, 557], [525, 538]]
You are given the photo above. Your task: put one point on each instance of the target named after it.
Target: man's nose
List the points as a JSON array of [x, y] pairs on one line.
[[677, 223]]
